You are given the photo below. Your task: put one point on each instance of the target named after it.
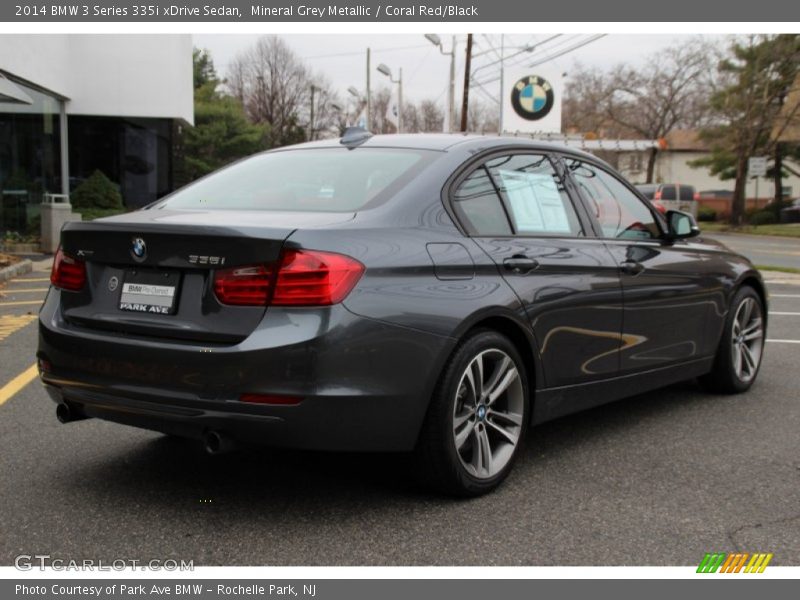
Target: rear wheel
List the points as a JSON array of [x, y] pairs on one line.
[[738, 357], [477, 419]]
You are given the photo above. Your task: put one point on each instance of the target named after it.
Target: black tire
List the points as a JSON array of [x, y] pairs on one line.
[[724, 377], [439, 463]]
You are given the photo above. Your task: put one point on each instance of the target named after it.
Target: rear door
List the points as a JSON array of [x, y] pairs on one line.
[[517, 208], [666, 299]]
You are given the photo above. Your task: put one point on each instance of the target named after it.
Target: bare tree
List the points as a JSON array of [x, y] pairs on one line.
[[431, 116], [273, 85], [669, 91]]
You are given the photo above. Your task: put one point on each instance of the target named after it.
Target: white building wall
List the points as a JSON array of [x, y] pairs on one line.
[[673, 167], [108, 75]]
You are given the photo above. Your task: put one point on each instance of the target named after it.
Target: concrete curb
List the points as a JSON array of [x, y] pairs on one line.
[[11, 271]]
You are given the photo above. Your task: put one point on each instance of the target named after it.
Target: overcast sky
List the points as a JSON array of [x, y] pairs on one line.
[[341, 58]]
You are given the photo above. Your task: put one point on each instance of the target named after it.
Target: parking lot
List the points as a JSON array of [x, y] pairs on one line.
[[658, 479]]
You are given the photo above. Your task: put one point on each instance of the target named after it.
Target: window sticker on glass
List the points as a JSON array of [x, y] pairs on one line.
[[535, 202]]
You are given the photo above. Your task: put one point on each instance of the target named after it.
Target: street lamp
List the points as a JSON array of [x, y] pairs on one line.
[[384, 70], [451, 90]]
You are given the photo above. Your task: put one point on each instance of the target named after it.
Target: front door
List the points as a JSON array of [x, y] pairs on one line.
[[666, 299], [516, 207]]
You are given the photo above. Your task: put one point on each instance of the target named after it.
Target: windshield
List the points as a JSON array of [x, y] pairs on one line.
[[316, 180]]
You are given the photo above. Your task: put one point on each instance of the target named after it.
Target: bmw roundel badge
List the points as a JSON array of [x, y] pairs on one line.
[[138, 249], [532, 97]]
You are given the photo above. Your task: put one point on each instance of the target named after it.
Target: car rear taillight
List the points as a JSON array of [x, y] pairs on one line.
[[696, 196], [243, 286], [68, 273], [657, 195], [311, 278], [302, 278]]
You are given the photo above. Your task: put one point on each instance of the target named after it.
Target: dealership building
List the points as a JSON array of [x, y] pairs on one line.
[[74, 104]]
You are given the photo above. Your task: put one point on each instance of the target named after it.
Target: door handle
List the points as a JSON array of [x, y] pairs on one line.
[[520, 264], [631, 267]]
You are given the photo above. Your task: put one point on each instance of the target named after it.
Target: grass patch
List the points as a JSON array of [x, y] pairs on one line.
[[6, 260], [779, 269], [782, 230]]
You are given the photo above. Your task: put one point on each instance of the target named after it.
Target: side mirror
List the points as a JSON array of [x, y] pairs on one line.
[[681, 225]]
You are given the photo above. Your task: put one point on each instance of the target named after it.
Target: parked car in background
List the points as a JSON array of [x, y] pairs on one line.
[[670, 196], [791, 214]]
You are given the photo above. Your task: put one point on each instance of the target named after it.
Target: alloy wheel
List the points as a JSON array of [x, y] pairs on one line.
[[747, 339], [488, 413]]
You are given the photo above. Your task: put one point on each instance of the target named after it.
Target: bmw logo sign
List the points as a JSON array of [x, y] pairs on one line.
[[532, 97], [138, 249]]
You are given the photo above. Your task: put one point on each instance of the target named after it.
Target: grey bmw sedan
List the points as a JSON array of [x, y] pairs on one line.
[[434, 294]]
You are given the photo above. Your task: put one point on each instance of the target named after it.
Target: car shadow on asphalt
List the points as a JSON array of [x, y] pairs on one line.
[[168, 470]]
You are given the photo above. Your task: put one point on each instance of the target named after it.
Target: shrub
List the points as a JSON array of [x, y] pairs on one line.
[[98, 191], [705, 213], [763, 217]]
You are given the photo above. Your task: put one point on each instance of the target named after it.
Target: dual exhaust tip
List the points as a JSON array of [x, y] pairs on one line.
[[214, 442]]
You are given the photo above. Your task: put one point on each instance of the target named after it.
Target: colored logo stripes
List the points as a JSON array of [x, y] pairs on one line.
[[734, 562]]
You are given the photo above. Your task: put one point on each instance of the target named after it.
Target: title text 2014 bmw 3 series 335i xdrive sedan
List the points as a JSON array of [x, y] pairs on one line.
[[435, 294]]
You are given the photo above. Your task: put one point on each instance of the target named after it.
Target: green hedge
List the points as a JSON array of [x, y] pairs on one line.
[[97, 192]]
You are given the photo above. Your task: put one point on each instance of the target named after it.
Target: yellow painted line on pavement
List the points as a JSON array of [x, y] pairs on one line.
[[11, 323], [19, 382], [24, 303], [37, 279]]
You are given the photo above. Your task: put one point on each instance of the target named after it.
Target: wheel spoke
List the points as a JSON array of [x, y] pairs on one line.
[[499, 370], [737, 359], [510, 437], [508, 417], [502, 385], [463, 435], [753, 330], [744, 313], [484, 452], [749, 359], [459, 420], [477, 373]]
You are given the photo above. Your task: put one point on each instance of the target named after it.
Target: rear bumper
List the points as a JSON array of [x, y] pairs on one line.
[[364, 385]]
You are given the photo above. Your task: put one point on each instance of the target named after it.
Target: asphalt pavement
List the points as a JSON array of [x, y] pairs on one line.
[[658, 479], [763, 249]]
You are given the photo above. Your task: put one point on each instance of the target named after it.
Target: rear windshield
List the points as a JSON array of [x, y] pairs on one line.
[[314, 180]]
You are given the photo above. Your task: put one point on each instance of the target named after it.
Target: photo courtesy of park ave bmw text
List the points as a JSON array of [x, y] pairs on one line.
[[326, 300]]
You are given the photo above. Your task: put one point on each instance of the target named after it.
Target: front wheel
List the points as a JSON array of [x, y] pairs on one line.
[[478, 417], [739, 354]]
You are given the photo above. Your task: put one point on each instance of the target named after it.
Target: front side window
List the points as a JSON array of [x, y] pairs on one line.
[[313, 180], [619, 211]]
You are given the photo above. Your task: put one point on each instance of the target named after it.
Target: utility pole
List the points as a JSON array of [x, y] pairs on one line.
[[311, 117], [369, 98], [502, 80], [467, 68], [400, 101]]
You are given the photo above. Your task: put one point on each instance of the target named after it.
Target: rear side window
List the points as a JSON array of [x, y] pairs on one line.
[[535, 195], [478, 206], [687, 192], [313, 180], [518, 194], [669, 192]]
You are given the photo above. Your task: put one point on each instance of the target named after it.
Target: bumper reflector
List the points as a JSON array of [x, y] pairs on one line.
[[270, 399]]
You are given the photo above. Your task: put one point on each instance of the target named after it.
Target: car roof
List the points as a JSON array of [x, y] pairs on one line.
[[446, 142]]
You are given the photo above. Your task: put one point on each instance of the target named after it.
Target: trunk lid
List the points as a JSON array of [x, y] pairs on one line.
[[150, 272]]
